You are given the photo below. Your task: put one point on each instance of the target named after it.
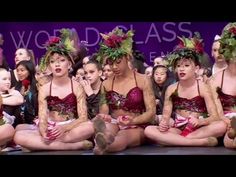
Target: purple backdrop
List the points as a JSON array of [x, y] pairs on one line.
[[152, 38]]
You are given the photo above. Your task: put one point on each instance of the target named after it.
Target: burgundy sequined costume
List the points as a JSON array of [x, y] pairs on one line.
[[132, 102], [195, 104], [65, 106], [227, 101]]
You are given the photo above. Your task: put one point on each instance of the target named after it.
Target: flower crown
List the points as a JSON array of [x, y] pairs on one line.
[[115, 44], [187, 48], [228, 42], [62, 45]]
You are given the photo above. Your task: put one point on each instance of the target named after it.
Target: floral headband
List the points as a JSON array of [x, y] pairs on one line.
[[115, 45], [187, 48], [62, 45], [228, 42]]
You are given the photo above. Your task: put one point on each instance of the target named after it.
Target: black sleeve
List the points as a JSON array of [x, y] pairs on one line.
[[93, 104]]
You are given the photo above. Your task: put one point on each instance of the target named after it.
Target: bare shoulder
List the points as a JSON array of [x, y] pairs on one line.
[[77, 87], [140, 76], [107, 83], [216, 78], [45, 89], [202, 85], [171, 88], [142, 80], [204, 88]]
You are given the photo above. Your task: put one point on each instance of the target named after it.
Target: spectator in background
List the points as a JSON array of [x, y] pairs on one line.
[[220, 63], [42, 77], [3, 61], [107, 72], [92, 85], [28, 89], [80, 74], [10, 102], [148, 71], [80, 52], [159, 61], [20, 55], [161, 78], [137, 63]]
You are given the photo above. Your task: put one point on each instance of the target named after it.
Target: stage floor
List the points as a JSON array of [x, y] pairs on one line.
[[142, 150]]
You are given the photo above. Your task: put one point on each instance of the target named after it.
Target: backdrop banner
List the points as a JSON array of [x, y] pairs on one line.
[[152, 38]]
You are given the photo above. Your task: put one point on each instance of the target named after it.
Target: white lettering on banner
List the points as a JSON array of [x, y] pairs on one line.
[[150, 34], [87, 36], [185, 30], [166, 29], [36, 38], [152, 55], [153, 35], [136, 42], [153, 32], [56, 32], [21, 41]]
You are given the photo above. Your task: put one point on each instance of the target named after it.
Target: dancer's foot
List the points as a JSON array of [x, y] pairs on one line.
[[101, 144], [87, 145], [212, 141], [99, 125], [101, 141], [232, 131]]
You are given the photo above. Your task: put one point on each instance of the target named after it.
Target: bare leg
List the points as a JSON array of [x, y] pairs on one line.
[[6, 133], [82, 132], [127, 138], [215, 129], [31, 139], [173, 139], [101, 126], [124, 139], [25, 127]]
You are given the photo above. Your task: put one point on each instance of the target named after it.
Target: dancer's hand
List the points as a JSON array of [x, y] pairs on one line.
[[87, 87], [56, 132], [194, 121], [164, 125], [105, 117], [125, 120], [227, 121]]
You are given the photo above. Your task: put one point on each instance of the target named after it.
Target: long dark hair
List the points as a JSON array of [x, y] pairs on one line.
[[31, 100], [30, 68]]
